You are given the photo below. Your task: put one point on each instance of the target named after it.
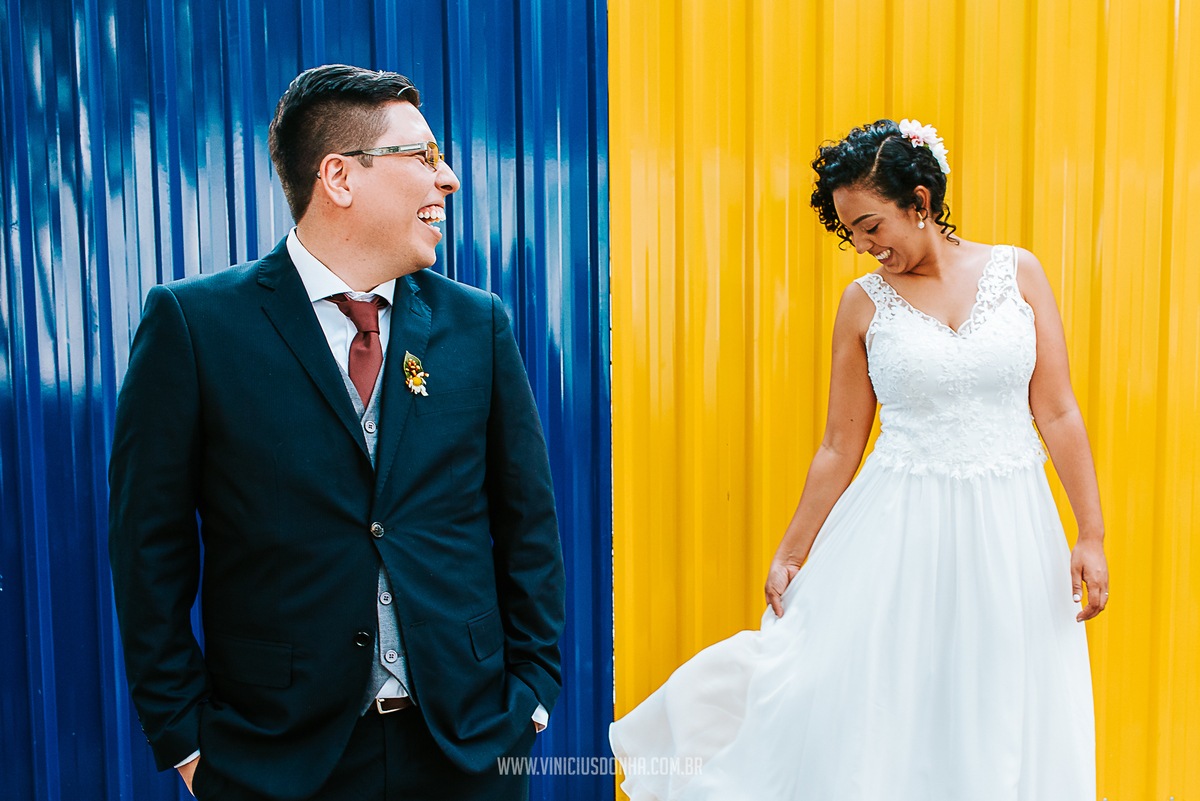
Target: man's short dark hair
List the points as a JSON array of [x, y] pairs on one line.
[[331, 109]]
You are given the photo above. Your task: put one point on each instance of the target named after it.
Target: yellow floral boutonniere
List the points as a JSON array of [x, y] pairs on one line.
[[414, 375]]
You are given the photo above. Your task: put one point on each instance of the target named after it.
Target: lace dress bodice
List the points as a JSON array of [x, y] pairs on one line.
[[955, 402]]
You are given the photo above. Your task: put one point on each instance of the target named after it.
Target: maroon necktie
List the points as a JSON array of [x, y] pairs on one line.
[[366, 354]]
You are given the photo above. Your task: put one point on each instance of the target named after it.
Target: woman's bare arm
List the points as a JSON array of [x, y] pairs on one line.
[[1056, 413], [847, 428]]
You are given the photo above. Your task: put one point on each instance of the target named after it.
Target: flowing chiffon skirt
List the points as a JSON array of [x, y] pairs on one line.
[[928, 651]]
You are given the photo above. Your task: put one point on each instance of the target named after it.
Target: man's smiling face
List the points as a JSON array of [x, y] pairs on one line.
[[401, 200]]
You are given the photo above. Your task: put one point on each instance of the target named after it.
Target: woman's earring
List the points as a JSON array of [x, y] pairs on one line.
[[921, 224]]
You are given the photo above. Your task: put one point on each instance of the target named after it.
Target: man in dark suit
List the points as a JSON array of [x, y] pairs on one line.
[[353, 440]]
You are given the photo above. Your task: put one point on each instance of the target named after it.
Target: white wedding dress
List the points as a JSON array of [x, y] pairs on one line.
[[928, 649]]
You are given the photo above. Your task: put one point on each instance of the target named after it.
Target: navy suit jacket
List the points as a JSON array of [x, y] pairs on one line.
[[234, 428]]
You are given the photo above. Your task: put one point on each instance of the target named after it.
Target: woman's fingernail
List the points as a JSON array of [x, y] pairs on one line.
[[1077, 597]]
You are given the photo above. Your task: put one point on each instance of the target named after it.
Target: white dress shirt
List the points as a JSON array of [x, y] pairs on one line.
[[320, 282]]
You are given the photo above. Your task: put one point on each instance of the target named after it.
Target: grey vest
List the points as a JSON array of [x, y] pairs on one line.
[[390, 660]]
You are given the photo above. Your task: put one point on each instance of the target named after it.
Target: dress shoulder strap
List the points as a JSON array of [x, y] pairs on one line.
[[876, 289], [999, 280], [1001, 269], [1003, 264]]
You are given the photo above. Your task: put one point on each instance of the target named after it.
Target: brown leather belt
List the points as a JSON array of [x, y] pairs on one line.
[[386, 706]]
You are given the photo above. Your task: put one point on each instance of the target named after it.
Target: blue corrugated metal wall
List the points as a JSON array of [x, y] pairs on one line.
[[134, 152]]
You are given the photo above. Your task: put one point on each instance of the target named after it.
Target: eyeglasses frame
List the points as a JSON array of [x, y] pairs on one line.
[[406, 150]]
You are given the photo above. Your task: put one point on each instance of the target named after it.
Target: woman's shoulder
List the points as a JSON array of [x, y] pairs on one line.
[[1002, 249], [1028, 268], [857, 306], [1020, 261], [860, 292]]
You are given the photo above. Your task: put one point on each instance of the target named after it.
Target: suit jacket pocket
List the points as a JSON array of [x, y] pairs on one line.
[[486, 634], [267, 664], [449, 401]]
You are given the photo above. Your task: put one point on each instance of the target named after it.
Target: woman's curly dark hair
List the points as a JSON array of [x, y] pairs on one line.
[[878, 157]]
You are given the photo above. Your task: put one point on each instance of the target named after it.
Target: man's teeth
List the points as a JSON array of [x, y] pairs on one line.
[[884, 254], [432, 214]]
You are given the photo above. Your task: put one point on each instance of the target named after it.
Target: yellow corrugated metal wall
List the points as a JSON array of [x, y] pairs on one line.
[[1073, 129]]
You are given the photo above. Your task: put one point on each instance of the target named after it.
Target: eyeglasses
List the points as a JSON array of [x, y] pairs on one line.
[[428, 151]]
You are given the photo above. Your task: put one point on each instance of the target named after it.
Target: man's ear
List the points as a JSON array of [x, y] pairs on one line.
[[333, 180]]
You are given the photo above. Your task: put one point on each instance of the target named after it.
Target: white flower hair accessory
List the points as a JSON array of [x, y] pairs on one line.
[[926, 136]]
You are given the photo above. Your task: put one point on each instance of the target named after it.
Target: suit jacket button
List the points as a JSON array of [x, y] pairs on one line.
[[376, 530], [362, 639]]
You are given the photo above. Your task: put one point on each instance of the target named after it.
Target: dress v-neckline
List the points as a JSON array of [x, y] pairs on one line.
[[966, 324]]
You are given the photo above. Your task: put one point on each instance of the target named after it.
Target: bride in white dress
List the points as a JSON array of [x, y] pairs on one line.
[[923, 639]]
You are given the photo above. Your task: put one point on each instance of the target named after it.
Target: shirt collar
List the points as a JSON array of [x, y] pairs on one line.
[[320, 282]]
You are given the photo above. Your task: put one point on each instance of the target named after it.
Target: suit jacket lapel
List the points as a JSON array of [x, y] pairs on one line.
[[411, 322], [291, 312]]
